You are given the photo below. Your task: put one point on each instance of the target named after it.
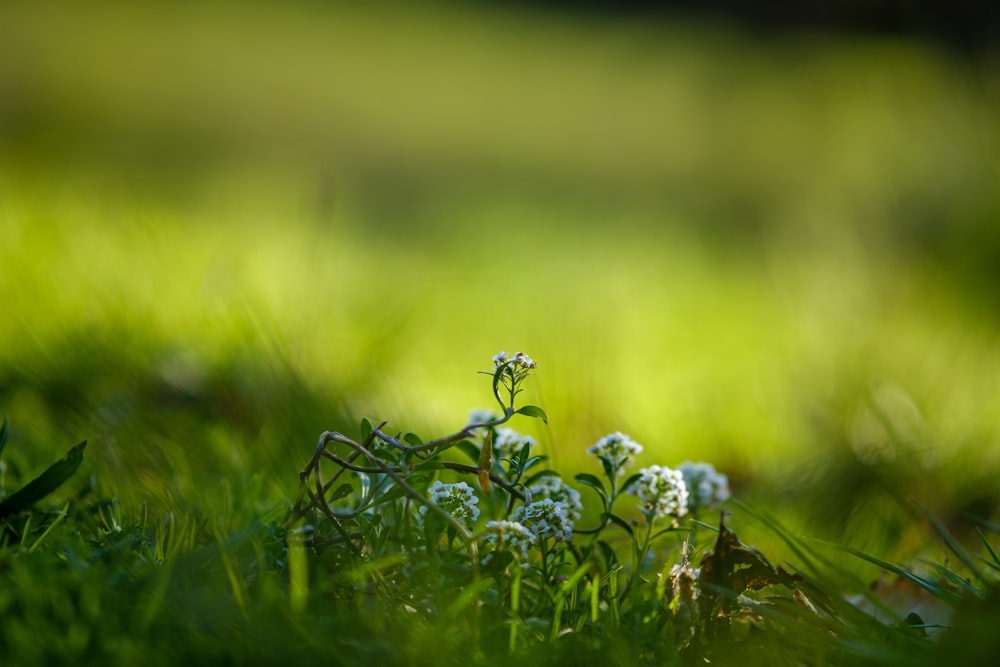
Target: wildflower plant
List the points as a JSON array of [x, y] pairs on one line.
[[476, 510], [616, 452], [662, 492]]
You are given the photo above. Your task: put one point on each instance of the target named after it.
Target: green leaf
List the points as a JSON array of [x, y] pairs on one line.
[[621, 523], [3, 434], [392, 494], [496, 388], [593, 482], [373, 486], [443, 448], [342, 491], [366, 428], [44, 484], [609, 469], [522, 455], [413, 439], [534, 411], [534, 460], [630, 481]]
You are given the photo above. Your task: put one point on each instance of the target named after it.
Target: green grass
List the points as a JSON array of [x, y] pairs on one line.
[[778, 257]]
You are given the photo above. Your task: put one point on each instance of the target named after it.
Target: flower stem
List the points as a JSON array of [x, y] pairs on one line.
[[640, 553]]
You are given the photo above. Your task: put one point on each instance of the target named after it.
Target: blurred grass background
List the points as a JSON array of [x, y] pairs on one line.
[[227, 228]]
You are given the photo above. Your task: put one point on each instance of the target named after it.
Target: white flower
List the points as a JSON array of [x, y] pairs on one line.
[[617, 449], [507, 442], [707, 488], [458, 500], [524, 360], [520, 359], [483, 416], [661, 491], [509, 535], [545, 518], [556, 489]]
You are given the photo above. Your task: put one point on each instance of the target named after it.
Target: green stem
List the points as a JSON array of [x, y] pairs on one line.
[[544, 546], [605, 520], [640, 554]]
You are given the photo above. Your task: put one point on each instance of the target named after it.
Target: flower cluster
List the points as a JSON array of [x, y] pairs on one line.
[[661, 492], [553, 488], [509, 535], [530, 512], [483, 416], [545, 519], [458, 500], [617, 449], [507, 442], [519, 359], [706, 487]]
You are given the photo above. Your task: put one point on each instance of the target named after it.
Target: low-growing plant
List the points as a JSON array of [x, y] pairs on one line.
[[506, 541]]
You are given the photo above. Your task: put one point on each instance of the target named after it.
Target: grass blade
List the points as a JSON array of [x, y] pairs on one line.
[[950, 541], [3, 434], [44, 484], [942, 593], [993, 554]]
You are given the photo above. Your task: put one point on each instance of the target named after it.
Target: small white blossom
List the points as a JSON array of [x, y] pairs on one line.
[[707, 488], [523, 360], [519, 359], [618, 449], [507, 442], [556, 489], [483, 416], [545, 519], [458, 500], [661, 491], [509, 535]]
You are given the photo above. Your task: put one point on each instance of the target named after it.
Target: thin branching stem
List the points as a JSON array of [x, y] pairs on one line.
[[320, 503], [407, 489], [466, 432]]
